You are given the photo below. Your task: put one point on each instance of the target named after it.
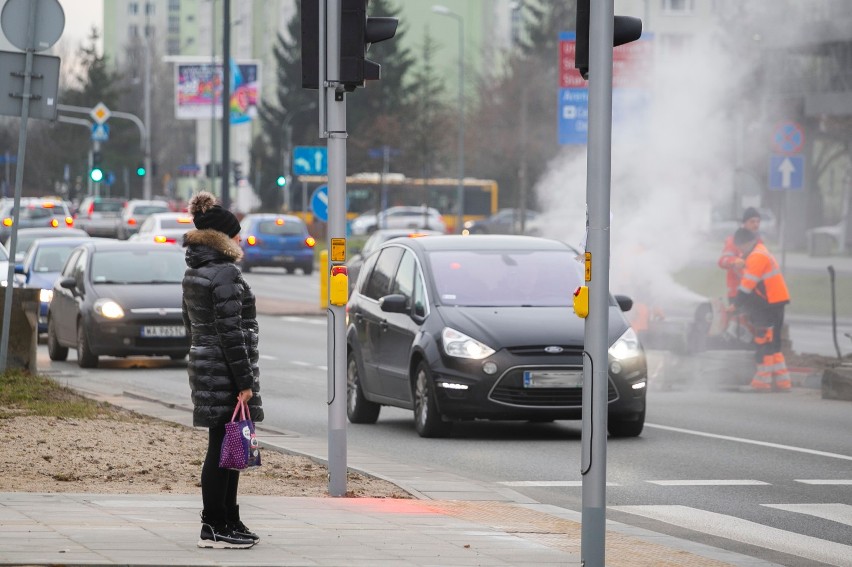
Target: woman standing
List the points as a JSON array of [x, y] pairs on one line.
[[219, 314]]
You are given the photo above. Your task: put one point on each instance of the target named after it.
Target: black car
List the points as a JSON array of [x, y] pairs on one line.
[[372, 244], [460, 328], [118, 298]]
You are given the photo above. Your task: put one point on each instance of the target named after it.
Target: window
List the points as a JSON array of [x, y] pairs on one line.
[[380, 279], [149, 8], [679, 7], [403, 284], [71, 265], [284, 228], [419, 298], [133, 8], [174, 5], [132, 30]]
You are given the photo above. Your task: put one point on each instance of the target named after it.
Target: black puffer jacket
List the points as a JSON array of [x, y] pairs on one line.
[[220, 316]]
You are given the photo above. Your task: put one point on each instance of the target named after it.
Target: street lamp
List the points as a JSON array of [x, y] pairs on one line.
[[444, 11]]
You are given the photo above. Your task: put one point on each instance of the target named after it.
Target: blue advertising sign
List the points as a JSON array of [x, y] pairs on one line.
[[310, 160], [319, 203], [786, 172]]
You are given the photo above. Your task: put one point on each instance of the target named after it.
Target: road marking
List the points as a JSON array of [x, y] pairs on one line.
[[840, 513], [267, 357], [751, 533], [548, 483], [752, 442], [709, 482], [838, 482], [309, 320]]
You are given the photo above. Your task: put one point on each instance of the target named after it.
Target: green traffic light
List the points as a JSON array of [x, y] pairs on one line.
[[140, 171], [281, 181], [96, 174]]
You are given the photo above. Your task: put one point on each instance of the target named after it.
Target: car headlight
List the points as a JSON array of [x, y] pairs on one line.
[[461, 346], [627, 346], [45, 295], [109, 309]]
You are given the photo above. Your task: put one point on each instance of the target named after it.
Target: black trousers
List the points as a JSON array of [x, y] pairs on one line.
[[218, 485], [769, 317]]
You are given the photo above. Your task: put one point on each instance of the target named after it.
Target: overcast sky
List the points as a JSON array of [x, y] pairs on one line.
[[80, 16]]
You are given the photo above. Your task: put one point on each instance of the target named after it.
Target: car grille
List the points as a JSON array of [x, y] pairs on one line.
[[572, 352], [510, 390]]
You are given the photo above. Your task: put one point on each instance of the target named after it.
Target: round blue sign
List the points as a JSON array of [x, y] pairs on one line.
[[319, 203]]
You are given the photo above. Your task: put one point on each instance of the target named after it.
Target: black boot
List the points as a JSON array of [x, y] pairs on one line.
[[240, 528], [219, 535]]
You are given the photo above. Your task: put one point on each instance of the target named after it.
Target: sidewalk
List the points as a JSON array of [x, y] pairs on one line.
[[453, 522]]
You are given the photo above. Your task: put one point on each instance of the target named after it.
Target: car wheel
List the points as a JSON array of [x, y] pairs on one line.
[[85, 357], [289, 269], [626, 427], [308, 269], [54, 350], [245, 267], [427, 418], [358, 408]]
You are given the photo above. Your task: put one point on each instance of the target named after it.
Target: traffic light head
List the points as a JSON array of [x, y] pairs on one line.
[[281, 181], [96, 174], [625, 29], [357, 33], [140, 170]]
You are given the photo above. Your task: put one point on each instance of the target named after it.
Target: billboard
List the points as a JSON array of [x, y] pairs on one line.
[[198, 90]]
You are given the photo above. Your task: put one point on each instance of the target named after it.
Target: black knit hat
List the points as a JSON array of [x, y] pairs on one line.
[[744, 236], [206, 213], [750, 213]]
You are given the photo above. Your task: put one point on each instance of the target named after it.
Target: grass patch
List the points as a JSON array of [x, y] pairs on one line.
[[22, 393], [810, 293]]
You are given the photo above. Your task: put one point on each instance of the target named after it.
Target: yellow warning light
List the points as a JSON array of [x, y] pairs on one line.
[[581, 301]]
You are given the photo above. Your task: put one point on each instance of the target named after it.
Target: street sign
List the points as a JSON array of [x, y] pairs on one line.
[[786, 172], [44, 84], [100, 132], [310, 160], [788, 139], [49, 23], [319, 203], [100, 113]]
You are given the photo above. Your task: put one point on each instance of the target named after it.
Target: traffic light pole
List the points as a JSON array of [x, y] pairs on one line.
[[596, 364], [335, 107]]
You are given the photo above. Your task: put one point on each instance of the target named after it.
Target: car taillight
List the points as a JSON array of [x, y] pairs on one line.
[[69, 221], [160, 239], [7, 221], [54, 223], [131, 221], [251, 240], [310, 242], [91, 209]]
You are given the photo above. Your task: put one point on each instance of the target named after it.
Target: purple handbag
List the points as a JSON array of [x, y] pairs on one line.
[[240, 448]]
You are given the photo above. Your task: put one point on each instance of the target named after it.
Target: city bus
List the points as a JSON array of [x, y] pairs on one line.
[[372, 192]]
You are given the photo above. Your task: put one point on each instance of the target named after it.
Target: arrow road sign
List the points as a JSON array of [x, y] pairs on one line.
[[310, 160], [319, 203], [786, 172]]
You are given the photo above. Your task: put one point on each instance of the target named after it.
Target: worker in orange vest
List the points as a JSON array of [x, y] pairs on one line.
[[732, 260], [763, 293]]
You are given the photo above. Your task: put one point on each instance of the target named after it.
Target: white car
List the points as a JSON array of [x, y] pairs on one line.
[[415, 217], [164, 228]]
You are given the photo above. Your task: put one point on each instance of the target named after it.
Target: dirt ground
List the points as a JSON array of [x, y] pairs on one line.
[[125, 453]]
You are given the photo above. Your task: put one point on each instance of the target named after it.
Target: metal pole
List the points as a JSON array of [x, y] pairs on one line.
[[226, 101], [146, 180], [385, 171], [213, 96], [460, 191], [595, 364], [336, 108], [19, 183]]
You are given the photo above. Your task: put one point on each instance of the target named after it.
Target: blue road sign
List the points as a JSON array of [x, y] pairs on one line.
[[786, 172], [310, 160], [573, 116], [788, 139], [100, 132], [319, 203]]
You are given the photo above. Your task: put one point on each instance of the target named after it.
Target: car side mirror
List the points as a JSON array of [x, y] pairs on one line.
[[68, 283], [19, 268], [624, 302], [394, 303]]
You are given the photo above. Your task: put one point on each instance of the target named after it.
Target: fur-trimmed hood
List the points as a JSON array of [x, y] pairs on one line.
[[206, 245]]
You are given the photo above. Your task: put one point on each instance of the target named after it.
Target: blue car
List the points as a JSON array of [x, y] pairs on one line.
[[276, 241], [42, 266]]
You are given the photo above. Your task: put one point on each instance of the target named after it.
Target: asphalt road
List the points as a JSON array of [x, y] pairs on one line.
[[765, 475]]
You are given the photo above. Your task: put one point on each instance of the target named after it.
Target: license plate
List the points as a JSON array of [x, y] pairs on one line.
[[284, 258], [553, 379], [164, 331]]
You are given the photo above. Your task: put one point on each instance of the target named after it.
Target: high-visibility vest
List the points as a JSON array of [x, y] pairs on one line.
[[762, 275]]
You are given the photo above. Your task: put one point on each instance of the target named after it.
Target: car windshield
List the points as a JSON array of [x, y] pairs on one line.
[[488, 278], [149, 209], [52, 258], [137, 267], [108, 206], [182, 223], [285, 228]]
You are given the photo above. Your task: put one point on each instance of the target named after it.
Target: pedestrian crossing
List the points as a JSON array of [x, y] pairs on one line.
[[741, 530]]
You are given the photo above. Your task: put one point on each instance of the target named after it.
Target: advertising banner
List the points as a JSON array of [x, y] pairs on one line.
[[198, 90]]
